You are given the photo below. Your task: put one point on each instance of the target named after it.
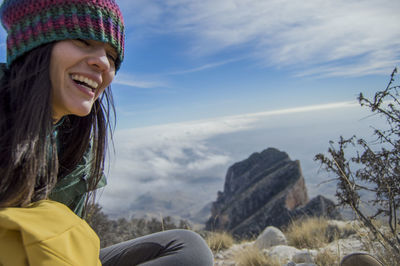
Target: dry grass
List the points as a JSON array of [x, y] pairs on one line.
[[315, 232], [251, 256], [384, 252], [219, 240], [372, 245], [387, 256], [308, 233], [326, 258]]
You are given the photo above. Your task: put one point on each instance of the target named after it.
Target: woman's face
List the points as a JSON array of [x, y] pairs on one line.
[[80, 70]]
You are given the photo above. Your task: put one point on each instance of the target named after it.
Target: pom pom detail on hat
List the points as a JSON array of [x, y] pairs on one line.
[[31, 23]]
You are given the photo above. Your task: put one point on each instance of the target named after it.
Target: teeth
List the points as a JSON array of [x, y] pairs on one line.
[[91, 83]]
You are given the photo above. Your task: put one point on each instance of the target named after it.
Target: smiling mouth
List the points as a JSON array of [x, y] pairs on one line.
[[86, 82]]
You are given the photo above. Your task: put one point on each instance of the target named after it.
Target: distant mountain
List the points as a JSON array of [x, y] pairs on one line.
[[178, 204]]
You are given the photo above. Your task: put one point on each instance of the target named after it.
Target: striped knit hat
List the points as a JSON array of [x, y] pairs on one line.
[[31, 23]]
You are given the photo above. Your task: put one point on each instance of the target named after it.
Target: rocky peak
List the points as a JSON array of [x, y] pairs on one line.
[[243, 174], [265, 189]]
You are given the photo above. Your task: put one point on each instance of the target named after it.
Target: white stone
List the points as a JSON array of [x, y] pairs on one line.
[[270, 237], [344, 246], [219, 256], [312, 252], [282, 253], [338, 223], [303, 257], [291, 263]]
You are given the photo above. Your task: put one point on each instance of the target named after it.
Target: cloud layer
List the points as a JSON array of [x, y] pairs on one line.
[[193, 157]]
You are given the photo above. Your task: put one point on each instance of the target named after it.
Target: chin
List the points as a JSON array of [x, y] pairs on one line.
[[81, 112]]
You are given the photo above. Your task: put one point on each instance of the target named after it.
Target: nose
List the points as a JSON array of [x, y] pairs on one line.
[[98, 60]]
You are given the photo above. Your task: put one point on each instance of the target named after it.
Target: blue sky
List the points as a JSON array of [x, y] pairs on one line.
[[188, 59], [206, 83]]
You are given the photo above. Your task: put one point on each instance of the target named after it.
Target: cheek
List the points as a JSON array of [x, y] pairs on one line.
[[98, 94], [111, 77], [107, 82]]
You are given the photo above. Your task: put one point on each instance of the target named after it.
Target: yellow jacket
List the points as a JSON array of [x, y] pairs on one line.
[[46, 233]]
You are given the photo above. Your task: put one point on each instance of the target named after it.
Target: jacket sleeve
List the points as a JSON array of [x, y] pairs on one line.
[[46, 233]]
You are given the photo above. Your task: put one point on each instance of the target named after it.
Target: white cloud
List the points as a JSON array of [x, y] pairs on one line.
[[133, 81], [204, 67], [307, 109], [342, 37]]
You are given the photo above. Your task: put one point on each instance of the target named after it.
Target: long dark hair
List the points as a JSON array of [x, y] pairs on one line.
[[29, 162]]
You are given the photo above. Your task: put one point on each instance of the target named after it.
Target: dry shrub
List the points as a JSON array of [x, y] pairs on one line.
[[219, 241], [326, 258], [335, 231], [308, 233], [376, 246], [252, 256], [370, 167], [315, 232], [371, 244], [387, 256]]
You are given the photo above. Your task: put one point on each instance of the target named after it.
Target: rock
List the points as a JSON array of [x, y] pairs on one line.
[[226, 257], [271, 236], [224, 263], [258, 192], [345, 246], [267, 189], [281, 252], [303, 257], [318, 206], [291, 263], [291, 256], [340, 224]]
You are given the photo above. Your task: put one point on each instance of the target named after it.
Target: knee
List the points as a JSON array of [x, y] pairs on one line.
[[195, 246], [188, 236]]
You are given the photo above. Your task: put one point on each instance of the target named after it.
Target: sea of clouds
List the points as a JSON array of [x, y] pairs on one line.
[[190, 159]]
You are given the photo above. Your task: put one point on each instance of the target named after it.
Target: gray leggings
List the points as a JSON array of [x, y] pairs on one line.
[[173, 247]]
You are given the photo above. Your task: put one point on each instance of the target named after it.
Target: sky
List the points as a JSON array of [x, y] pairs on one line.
[[188, 60], [206, 83]]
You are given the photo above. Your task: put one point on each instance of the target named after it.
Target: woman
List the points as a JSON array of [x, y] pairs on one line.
[[55, 108]]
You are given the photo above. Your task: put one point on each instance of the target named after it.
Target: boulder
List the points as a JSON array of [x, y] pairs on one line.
[[281, 252], [303, 257], [270, 237], [318, 206]]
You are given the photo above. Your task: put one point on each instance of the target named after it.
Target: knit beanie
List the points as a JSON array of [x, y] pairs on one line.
[[31, 23]]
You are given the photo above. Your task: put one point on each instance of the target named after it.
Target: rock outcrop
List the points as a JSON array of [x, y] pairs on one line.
[[343, 242], [267, 189]]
